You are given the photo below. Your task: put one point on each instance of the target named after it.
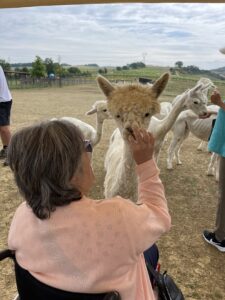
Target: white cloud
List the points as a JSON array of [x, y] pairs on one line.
[[116, 34]]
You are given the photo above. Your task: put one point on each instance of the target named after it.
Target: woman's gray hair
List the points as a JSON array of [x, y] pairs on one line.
[[44, 158]]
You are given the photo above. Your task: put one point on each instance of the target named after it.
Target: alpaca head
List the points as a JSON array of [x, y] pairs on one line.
[[132, 104], [207, 84], [100, 108], [196, 99]]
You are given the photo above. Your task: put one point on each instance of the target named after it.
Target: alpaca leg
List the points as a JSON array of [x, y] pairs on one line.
[[180, 132], [202, 146], [212, 164], [177, 154], [178, 147], [217, 167], [171, 151]]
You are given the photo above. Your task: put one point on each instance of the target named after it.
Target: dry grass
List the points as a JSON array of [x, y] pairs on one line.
[[192, 196]]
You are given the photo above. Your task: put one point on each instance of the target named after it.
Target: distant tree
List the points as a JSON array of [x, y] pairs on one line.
[[125, 68], [74, 71], [137, 65], [60, 71], [86, 73], [49, 65], [172, 71], [105, 70], [118, 68], [25, 69], [100, 71], [179, 64], [5, 65], [17, 69], [38, 68], [192, 69]]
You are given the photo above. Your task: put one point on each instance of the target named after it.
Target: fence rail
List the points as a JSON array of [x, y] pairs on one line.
[[26, 83]]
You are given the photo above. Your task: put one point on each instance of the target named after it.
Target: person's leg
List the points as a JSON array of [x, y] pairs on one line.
[[220, 216], [217, 237], [5, 135]]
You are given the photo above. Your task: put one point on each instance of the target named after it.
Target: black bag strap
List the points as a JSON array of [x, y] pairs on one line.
[[166, 286], [152, 271]]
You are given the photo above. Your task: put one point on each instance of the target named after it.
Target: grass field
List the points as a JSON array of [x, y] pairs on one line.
[[192, 196]]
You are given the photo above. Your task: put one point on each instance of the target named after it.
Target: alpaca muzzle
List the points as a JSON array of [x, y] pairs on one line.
[[130, 131]]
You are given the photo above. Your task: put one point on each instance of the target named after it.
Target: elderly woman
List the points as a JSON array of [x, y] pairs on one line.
[[74, 243]]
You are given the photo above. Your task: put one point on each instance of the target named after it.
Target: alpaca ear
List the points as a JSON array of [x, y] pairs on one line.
[[160, 84], [105, 85], [196, 88], [92, 111]]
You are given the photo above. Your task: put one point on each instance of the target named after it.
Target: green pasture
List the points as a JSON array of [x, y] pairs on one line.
[[177, 84]]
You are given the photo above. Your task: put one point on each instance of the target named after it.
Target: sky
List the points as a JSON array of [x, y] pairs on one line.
[[116, 34]]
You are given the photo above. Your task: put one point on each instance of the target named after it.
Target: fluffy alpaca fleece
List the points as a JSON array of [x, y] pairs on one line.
[[165, 108], [130, 105]]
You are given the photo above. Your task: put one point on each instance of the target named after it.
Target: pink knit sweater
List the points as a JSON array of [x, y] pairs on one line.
[[95, 245]]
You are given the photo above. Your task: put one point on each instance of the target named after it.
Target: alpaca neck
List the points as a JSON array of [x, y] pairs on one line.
[[166, 124], [98, 133], [127, 176], [128, 161]]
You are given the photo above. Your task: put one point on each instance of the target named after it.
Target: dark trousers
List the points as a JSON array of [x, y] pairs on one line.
[[151, 256], [220, 216]]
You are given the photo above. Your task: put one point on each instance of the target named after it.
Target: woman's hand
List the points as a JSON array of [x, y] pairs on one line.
[[216, 98], [141, 145]]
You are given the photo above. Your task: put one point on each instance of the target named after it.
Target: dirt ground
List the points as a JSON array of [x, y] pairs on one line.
[[192, 196]]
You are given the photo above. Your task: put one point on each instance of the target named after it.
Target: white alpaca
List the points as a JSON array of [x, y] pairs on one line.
[[90, 133], [165, 108], [193, 99], [189, 122], [206, 82]]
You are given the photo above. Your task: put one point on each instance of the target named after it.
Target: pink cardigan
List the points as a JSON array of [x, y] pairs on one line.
[[95, 245]]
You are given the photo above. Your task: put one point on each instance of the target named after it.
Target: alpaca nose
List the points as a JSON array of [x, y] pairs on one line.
[[130, 131]]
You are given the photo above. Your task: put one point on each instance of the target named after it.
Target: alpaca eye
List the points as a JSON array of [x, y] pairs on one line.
[[195, 102], [147, 115], [117, 116], [105, 110]]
